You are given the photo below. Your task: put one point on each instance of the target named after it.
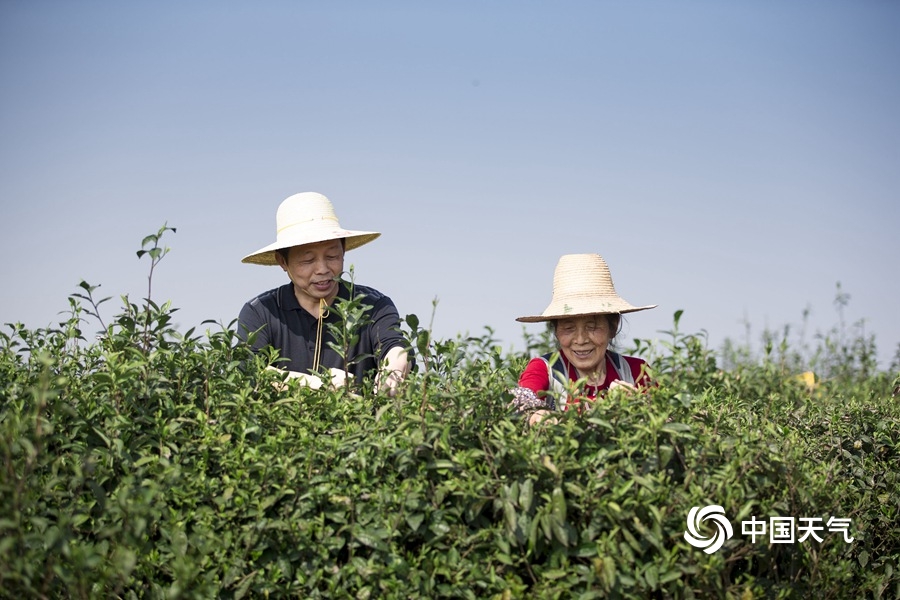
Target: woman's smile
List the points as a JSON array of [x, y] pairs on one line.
[[583, 341]]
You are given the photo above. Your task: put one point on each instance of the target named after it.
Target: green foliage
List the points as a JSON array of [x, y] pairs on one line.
[[353, 315], [842, 352], [152, 463]]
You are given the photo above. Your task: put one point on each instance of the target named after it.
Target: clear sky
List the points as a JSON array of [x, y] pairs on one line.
[[732, 159]]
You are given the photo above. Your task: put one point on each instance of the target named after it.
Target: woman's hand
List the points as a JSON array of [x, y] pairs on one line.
[[539, 415], [622, 386]]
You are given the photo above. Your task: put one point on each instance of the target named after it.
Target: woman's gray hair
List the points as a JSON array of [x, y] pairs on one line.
[[613, 320]]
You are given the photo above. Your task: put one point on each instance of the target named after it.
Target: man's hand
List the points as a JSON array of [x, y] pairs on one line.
[[339, 378], [393, 372]]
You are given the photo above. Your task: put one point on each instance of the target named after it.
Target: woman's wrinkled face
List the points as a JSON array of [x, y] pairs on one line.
[[314, 270], [583, 341]]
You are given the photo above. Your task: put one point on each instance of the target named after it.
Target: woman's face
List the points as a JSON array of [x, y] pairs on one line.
[[583, 341]]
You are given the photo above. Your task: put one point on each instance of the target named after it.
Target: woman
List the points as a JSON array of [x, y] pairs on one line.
[[585, 313]]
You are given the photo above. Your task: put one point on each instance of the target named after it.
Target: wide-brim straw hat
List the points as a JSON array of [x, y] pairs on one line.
[[582, 285], [307, 218]]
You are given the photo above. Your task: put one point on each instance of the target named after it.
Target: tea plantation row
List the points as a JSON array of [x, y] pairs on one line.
[[147, 464]]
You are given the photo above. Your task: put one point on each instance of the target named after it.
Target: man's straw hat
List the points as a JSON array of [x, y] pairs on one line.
[[582, 285], [307, 218]]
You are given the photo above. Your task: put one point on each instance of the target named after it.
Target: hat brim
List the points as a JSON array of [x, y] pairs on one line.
[[354, 239], [554, 314]]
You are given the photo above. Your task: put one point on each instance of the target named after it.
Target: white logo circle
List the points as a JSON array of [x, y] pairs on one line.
[[723, 528]]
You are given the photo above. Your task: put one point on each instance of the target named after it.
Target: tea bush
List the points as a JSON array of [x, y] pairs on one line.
[[152, 463]]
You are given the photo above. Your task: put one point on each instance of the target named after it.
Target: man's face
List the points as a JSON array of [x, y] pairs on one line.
[[314, 270]]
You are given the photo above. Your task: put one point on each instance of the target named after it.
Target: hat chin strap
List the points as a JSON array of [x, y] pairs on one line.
[[323, 313]]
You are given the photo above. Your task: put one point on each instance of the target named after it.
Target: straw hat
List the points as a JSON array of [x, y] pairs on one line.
[[307, 218], [582, 285]]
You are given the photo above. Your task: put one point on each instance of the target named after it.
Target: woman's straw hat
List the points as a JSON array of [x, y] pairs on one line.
[[582, 285], [307, 218]]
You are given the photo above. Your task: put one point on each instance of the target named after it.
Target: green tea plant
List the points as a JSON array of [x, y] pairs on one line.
[[353, 315], [150, 463], [842, 352]]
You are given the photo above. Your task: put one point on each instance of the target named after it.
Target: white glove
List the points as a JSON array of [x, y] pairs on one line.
[[339, 378]]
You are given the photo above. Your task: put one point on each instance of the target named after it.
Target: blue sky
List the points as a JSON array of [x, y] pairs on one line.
[[735, 160]]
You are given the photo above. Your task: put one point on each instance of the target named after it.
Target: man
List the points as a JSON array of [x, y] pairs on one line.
[[294, 318]]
